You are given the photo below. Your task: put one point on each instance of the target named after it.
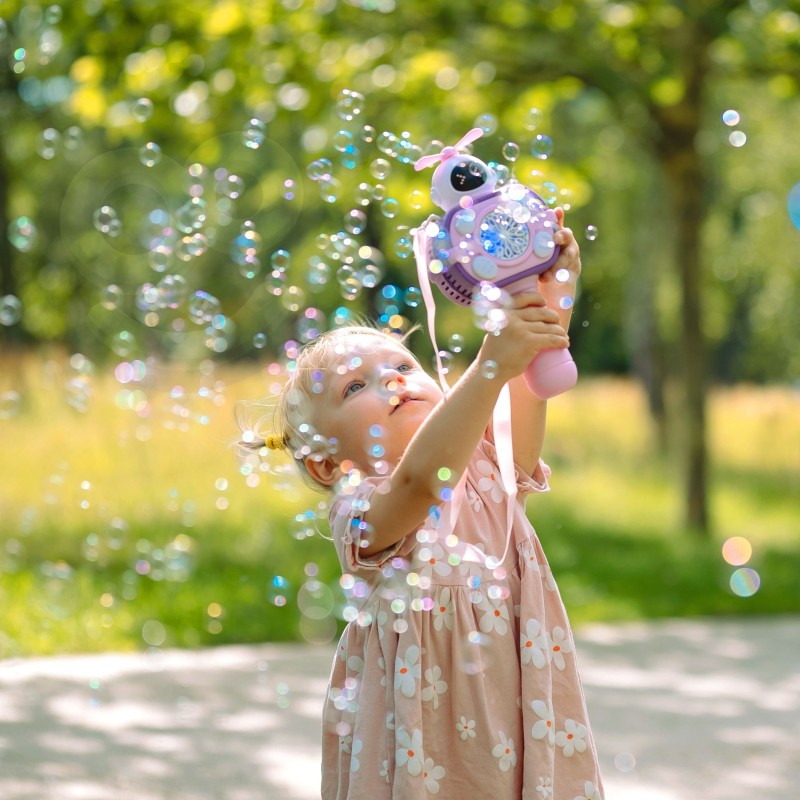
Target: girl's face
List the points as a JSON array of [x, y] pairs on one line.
[[375, 397]]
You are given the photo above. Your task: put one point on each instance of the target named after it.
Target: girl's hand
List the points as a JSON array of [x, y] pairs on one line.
[[569, 259], [530, 328]]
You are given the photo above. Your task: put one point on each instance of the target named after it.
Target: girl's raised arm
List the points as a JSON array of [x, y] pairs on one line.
[[450, 434]]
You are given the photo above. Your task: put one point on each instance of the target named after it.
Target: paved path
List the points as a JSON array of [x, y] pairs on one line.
[[681, 710]]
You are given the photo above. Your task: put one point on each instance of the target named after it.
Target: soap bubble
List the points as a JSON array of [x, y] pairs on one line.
[[191, 215], [111, 297], [542, 146], [412, 297], [532, 119], [456, 343], [745, 582], [318, 273], [253, 133], [72, 138], [202, 307], [386, 142], [731, 117], [320, 170], [403, 248], [48, 143], [487, 123], [123, 343], [142, 109], [510, 151], [293, 298], [172, 291], [355, 221], [489, 369], [150, 154], [106, 221], [22, 233], [417, 199], [154, 633], [591, 232], [342, 140], [737, 551], [10, 403], [260, 341], [280, 259], [349, 104], [10, 310], [390, 208], [310, 324], [793, 204], [738, 138], [380, 169]]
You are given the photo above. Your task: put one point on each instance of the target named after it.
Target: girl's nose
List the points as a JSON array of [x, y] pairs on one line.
[[391, 379]]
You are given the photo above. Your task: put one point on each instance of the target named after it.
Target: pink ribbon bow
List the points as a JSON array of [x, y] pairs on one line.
[[449, 152]]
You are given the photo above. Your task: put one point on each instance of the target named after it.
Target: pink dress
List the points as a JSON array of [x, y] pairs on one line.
[[453, 680]]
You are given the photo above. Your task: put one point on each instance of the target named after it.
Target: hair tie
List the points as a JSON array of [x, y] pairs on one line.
[[274, 442]]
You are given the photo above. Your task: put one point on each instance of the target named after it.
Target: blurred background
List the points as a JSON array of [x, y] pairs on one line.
[[191, 190]]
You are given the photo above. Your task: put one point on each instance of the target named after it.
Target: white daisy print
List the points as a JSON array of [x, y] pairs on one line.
[[355, 664], [436, 685], [590, 792], [354, 762], [549, 580], [443, 611], [495, 615], [532, 644], [409, 751], [384, 773], [490, 482], [505, 753], [475, 501], [572, 738], [390, 721], [345, 743], [545, 787], [545, 726], [407, 671], [466, 728], [558, 643], [432, 774], [433, 559]]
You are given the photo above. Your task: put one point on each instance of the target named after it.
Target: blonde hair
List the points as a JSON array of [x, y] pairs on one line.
[[291, 430]]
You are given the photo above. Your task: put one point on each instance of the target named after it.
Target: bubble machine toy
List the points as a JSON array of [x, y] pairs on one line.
[[501, 236]]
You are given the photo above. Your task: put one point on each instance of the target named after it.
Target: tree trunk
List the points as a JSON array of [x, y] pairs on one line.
[[641, 323], [687, 189]]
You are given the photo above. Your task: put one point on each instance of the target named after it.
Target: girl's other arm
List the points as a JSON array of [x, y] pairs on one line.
[[528, 412]]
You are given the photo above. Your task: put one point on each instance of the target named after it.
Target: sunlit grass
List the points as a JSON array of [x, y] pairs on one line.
[[114, 517]]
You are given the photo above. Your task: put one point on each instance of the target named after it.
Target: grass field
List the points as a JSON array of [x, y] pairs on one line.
[[128, 524]]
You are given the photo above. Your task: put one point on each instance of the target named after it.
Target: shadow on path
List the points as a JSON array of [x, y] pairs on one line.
[[681, 710]]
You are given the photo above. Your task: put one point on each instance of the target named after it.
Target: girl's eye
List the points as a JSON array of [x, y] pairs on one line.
[[405, 367], [352, 387]]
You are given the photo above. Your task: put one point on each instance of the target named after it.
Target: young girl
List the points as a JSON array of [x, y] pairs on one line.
[[456, 676]]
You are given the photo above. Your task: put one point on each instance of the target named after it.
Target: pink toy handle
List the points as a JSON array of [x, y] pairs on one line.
[[550, 373]]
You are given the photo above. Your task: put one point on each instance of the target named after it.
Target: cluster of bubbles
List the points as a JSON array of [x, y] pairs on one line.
[[744, 581], [732, 118]]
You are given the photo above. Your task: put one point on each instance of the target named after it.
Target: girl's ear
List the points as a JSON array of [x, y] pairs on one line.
[[326, 472]]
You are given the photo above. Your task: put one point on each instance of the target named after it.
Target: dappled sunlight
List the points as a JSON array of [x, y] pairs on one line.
[[675, 706], [708, 704]]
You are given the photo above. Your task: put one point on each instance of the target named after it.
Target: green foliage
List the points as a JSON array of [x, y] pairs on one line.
[[612, 81], [121, 531]]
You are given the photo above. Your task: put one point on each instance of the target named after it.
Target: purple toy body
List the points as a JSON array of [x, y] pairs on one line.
[[504, 237], [501, 236]]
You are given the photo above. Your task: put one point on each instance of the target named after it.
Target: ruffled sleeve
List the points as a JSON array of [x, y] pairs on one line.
[[537, 481], [347, 526]]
